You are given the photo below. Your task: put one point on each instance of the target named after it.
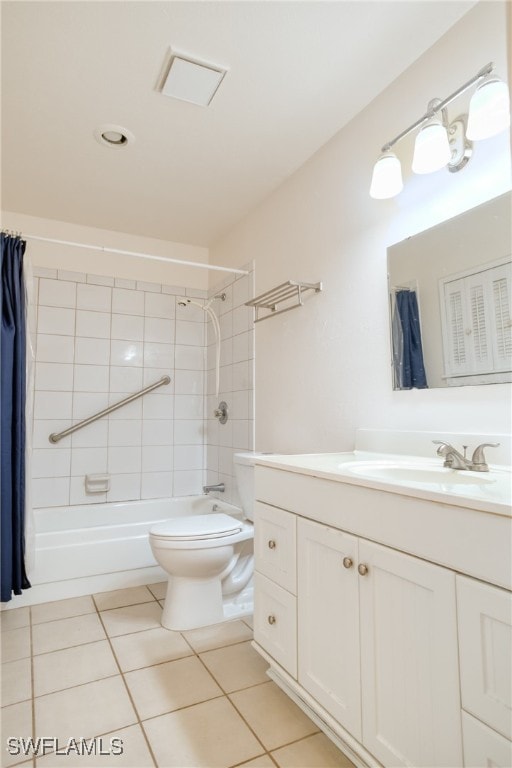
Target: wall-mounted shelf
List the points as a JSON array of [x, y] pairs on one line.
[[290, 291]]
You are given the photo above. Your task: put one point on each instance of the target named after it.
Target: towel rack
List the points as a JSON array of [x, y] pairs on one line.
[[289, 291], [56, 436]]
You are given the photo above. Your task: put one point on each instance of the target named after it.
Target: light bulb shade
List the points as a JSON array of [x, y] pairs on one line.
[[431, 148], [386, 177], [489, 109]]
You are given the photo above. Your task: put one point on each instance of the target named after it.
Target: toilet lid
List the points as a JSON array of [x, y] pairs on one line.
[[197, 527]]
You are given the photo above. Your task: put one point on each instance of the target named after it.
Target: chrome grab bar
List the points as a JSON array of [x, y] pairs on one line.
[[56, 436]]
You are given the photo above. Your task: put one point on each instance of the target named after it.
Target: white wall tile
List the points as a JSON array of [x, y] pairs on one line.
[[188, 457], [126, 353], [150, 287], [177, 290], [189, 312], [226, 461], [125, 432], [196, 293], [54, 376], [189, 333], [93, 297], [76, 277], [152, 375], [93, 324], [91, 378], [159, 329], [128, 327], [189, 432], [188, 482], [240, 404], [241, 291], [155, 432], [226, 434], [92, 351], [125, 302], [226, 378], [44, 427], [56, 320], [88, 461], [78, 495], [54, 349], [57, 293], [189, 382], [159, 305], [124, 378], [100, 280], [157, 458], [92, 436], [131, 410], [124, 459], [241, 320], [50, 492], [124, 487], [121, 282], [86, 404], [52, 405], [158, 355], [45, 272], [155, 406], [188, 406], [51, 462], [240, 376], [241, 434], [241, 347], [189, 358], [156, 485], [226, 326]]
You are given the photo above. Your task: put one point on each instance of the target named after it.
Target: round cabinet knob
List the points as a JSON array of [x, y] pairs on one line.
[[363, 569], [271, 544], [348, 562], [271, 619]]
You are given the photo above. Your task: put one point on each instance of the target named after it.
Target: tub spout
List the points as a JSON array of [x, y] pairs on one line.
[[219, 487]]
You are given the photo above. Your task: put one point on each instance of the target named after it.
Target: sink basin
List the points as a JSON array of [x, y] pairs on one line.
[[402, 472]]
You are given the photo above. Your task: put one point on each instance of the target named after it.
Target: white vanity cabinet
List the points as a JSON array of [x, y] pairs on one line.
[[377, 645], [485, 643], [275, 601]]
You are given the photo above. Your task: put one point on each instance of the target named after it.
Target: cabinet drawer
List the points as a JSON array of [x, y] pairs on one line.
[[485, 652], [274, 545], [275, 622], [483, 746]]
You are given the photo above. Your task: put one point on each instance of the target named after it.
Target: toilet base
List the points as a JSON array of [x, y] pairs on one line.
[[187, 606]]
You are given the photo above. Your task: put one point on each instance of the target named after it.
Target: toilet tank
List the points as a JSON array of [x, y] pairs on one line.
[[244, 474]]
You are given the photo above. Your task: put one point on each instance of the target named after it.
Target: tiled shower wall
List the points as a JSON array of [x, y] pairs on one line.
[[236, 380], [100, 339]]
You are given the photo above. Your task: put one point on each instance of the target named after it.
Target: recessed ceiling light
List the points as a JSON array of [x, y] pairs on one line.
[[192, 81], [113, 136]]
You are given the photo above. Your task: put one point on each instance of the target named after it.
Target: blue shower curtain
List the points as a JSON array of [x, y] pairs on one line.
[[12, 401], [412, 368]]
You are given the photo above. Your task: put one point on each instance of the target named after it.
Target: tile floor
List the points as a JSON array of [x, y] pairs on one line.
[[102, 666]]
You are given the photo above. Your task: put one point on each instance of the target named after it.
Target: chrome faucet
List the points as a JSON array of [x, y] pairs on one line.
[[455, 460], [219, 487]]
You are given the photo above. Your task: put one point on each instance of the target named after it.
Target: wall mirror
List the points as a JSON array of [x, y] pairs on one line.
[[450, 291]]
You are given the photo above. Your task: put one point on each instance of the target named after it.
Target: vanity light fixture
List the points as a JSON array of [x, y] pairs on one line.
[[440, 143]]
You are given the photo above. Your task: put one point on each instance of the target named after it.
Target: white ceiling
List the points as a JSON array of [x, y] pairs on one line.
[[298, 71]]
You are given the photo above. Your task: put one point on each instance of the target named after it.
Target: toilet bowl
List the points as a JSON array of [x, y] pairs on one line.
[[209, 559]]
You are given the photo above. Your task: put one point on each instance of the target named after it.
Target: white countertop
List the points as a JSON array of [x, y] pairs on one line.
[[484, 491]]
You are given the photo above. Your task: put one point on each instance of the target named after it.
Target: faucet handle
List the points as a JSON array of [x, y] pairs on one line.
[[478, 461], [443, 450]]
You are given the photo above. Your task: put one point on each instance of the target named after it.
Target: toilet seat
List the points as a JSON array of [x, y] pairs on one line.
[[196, 528]]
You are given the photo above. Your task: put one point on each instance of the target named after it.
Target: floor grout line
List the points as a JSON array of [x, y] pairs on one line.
[[139, 721]]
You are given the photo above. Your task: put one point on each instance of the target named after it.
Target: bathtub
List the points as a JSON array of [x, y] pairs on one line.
[[92, 548]]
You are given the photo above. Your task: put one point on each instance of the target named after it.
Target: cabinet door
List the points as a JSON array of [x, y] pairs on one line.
[[409, 663], [275, 544], [275, 622], [484, 747], [485, 640], [328, 621]]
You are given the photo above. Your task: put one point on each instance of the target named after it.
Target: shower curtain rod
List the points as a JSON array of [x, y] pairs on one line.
[[104, 249]]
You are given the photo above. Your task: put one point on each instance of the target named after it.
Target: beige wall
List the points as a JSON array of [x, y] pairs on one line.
[[80, 260], [323, 370]]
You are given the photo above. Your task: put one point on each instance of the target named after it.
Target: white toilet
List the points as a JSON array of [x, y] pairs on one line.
[[209, 559]]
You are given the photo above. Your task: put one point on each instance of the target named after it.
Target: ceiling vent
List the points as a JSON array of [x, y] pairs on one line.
[[191, 81]]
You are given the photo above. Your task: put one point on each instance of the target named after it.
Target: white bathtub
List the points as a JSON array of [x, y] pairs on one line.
[[95, 548]]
